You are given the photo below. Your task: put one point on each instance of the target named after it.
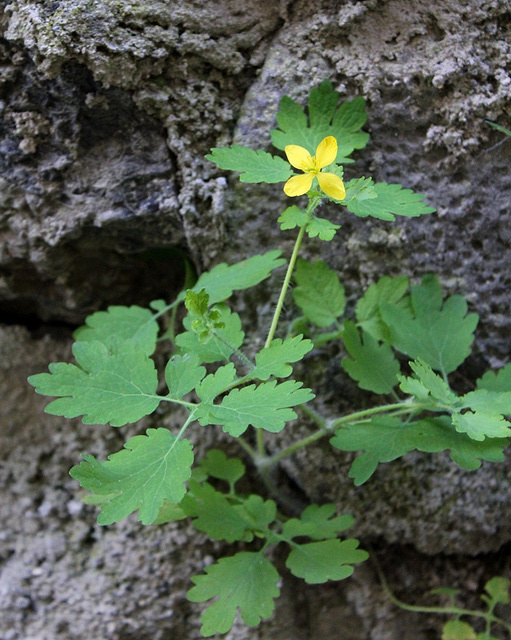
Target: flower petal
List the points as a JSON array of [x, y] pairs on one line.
[[299, 157], [332, 185], [298, 185], [326, 152]]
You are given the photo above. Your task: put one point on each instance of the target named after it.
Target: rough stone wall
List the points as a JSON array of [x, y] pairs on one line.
[[107, 109]]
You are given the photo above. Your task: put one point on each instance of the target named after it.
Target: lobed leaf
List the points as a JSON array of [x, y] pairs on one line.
[[367, 311], [214, 514], [255, 166], [321, 228], [314, 227], [498, 589], [318, 562], [440, 336], [216, 383], [183, 374], [319, 293], [427, 384], [246, 581], [274, 360], [496, 380], [118, 324], [197, 302], [479, 425], [263, 407], [223, 279], [151, 469], [258, 514], [104, 387], [385, 438], [458, 630], [359, 189], [326, 119], [217, 465], [372, 364], [317, 523], [390, 200], [168, 512]]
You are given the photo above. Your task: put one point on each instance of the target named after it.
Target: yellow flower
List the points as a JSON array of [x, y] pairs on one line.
[[300, 158]]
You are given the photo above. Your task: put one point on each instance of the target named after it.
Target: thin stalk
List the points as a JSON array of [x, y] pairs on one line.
[[326, 427], [285, 285], [397, 407], [314, 201], [238, 353], [305, 442], [488, 616], [248, 448], [189, 419]]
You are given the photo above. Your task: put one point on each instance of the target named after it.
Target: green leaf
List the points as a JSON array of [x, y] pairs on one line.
[[385, 438], [319, 293], [255, 166], [491, 402], [104, 387], [372, 364], [382, 438], [183, 374], [498, 589], [169, 512], [440, 336], [149, 470], [318, 562], [258, 514], [117, 324], [498, 127], [223, 279], [197, 302], [292, 217], [314, 227], [218, 465], [317, 523], [326, 119], [223, 342], [246, 581], [263, 407], [458, 630], [427, 384], [216, 383], [274, 360], [391, 200], [322, 228], [478, 425], [390, 290], [214, 514], [496, 380], [359, 189]]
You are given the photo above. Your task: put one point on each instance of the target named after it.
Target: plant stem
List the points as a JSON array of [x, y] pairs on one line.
[[235, 351], [314, 201], [305, 442], [326, 427], [285, 285], [488, 616], [397, 408]]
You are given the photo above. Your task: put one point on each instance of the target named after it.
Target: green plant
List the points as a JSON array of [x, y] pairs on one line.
[[497, 594], [209, 375]]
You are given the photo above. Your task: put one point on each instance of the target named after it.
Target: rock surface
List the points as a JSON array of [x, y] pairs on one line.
[[107, 110]]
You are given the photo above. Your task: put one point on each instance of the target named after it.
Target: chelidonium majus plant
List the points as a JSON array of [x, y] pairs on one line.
[[401, 342]]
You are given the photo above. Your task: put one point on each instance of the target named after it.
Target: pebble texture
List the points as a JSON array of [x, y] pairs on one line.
[[107, 110]]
